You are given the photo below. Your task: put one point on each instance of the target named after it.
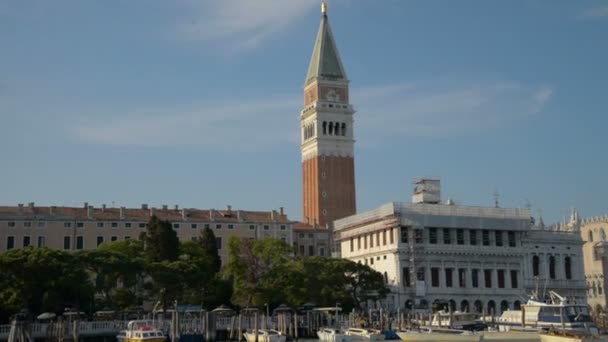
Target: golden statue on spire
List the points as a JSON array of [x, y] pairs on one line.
[[324, 7]]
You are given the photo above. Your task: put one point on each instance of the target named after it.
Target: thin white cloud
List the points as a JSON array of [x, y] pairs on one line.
[[242, 24], [434, 109], [250, 124], [406, 109], [595, 12]]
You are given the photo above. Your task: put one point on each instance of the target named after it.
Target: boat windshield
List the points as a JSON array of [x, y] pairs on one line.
[[577, 313]]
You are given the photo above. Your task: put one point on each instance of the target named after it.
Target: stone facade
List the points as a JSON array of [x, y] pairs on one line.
[[595, 253], [483, 259], [71, 228]]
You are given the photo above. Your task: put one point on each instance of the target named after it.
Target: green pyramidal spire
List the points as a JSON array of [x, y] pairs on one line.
[[325, 62]]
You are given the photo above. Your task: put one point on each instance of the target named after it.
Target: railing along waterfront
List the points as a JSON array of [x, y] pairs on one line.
[[186, 326]]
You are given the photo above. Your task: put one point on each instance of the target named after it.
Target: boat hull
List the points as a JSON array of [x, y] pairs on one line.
[[411, 336], [326, 337], [250, 337]]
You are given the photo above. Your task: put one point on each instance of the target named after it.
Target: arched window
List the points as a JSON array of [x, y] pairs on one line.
[[464, 306], [535, 266], [337, 125], [478, 306], [452, 304], [343, 129], [590, 236], [331, 128], [602, 234], [552, 267], [568, 267], [324, 127], [504, 306], [491, 308], [516, 305]]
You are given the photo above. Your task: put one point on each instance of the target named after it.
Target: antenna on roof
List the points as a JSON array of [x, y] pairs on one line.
[[496, 197], [527, 204]]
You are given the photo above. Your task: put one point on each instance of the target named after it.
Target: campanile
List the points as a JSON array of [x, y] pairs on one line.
[[326, 122]]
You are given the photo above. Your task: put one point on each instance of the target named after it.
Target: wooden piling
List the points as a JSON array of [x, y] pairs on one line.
[[255, 326]]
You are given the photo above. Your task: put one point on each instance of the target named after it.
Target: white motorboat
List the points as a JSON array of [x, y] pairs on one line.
[[555, 313], [333, 335], [361, 334], [457, 320], [565, 336], [141, 331], [431, 334], [264, 335]]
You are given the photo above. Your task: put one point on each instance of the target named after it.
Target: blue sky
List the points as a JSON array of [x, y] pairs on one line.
[[196, 103]]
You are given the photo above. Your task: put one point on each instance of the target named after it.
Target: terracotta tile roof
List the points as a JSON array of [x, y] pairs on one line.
[[140, 214], [301, 226]]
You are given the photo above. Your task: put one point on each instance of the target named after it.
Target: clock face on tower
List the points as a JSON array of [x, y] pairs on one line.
[[332, 95]]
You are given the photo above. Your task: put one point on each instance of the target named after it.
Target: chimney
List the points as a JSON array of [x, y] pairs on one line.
[[103, 207], [90, 211], [281, 211], [210, 214], [238, 215], [86, 205], [20, 205], [184, 215], [122, 213], [165, 207], [52, 210], [144, 206], [272, 215], [229, 207], [151, 212], [176, 207], [31, 205]]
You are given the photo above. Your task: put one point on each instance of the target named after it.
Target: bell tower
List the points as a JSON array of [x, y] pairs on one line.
[[326, 122]]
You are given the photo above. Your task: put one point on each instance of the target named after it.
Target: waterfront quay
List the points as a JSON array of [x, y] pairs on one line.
[[209, 327]]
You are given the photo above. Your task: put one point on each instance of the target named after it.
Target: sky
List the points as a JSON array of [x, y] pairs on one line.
[[197, 103]]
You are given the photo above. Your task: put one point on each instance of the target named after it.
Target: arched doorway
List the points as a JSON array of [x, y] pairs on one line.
[[464, 306], [478, 306], [452, 304], [491, 308], [504, 306], [516, 305]]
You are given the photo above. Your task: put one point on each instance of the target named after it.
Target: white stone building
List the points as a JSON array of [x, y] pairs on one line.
[[483, 259]]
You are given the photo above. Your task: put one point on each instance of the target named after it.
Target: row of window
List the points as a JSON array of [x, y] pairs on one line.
[[462, 279], [67, 241], [67, 224], [595, 289], [552, 267], [311, 250], [449, 236], [371, 237], [461, 236]]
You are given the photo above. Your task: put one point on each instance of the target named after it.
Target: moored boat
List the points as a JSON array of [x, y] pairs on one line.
[[141, 331], [361, 334], [333, 335], [264, 335], [429, 334], [569, 336]]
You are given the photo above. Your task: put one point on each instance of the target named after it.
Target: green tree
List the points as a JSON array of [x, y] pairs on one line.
[[161, 241], [43, 279], [253, 266], [113, 264], [209, 245]]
